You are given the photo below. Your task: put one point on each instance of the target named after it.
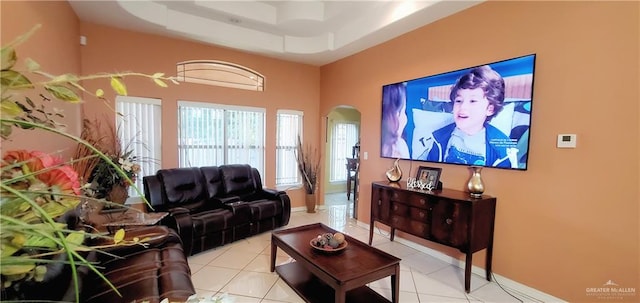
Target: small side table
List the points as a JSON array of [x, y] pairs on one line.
[[132, 218]]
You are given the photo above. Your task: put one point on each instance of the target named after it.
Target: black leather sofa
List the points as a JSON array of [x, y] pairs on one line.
[[215, 205], [148, 273]]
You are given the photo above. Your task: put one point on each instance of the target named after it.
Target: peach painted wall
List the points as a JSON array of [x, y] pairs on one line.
[[55, 46], [288, 85], [569, 222], [555, 230]]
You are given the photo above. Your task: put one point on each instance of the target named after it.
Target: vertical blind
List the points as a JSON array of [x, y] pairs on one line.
[[289, 127], [213, 135], [344, 137], [139, 128]]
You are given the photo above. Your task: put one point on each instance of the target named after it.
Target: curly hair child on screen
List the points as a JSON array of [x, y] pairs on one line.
[[477, 97]]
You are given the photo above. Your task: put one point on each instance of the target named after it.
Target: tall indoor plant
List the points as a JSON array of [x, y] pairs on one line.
[[309, 167], [36, 187]]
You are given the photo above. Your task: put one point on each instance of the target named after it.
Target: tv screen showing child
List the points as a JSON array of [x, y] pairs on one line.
[[477, 116]]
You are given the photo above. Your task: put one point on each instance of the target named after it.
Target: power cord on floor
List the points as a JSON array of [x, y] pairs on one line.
[[531, 299], [382, 234]]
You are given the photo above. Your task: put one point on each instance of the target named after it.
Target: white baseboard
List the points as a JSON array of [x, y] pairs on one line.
[[524, 292]]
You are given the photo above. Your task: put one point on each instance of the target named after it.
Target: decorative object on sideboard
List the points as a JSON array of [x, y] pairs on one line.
[[394, 174], [414, 183], [475, 185], [429, 176]]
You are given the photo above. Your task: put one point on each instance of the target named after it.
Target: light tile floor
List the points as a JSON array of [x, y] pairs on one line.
[[241, 269]]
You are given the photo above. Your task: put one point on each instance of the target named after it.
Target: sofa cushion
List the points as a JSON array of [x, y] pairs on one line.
[[183, 186], [213, 184], [237, 179], [212, 221], [263, 209]]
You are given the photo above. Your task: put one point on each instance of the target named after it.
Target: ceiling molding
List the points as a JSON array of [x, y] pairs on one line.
[[313, 32]]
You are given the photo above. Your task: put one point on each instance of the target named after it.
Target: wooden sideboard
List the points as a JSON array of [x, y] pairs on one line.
[[449, 217]]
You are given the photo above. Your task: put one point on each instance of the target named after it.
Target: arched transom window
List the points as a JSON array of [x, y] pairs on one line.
[[220, 73]]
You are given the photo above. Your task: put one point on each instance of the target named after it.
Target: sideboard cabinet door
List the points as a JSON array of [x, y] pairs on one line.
[[450, 223]]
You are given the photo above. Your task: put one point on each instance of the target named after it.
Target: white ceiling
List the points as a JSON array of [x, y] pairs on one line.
[[312, 32]]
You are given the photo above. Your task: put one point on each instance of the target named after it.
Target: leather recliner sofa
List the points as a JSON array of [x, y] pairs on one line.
[[215, 205], [154, 270]]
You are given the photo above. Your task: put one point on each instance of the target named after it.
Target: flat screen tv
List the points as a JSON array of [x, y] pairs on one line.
[[478, 116]]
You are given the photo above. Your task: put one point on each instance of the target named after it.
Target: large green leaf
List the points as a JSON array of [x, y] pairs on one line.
[[63, 93], [15, 270], [54, 209], [5, 130], [118, 86], [35, 240], [8, 249], [8, 57], [10, 108], [10, 79], [32, 65]]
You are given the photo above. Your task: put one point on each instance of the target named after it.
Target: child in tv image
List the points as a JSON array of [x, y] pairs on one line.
[[477, 97], [394, 120]]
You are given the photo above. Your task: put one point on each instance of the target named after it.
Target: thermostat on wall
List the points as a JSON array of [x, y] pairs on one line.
[[567, 141]]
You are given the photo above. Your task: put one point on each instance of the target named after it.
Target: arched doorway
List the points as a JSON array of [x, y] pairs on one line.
[[342, 141]]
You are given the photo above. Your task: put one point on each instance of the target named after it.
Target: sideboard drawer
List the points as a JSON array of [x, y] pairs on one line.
[[418, 214], [420, 229], [418, 201], [399, 209], [399, 196]]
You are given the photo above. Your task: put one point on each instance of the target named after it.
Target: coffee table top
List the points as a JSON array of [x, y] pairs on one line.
[[356, 260]]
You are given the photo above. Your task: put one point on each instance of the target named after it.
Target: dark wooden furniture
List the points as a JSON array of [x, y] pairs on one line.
[[341, 277], [446, 216], [352, 176]]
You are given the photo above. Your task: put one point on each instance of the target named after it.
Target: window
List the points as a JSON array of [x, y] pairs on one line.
[[289, 127], [220, 73], [140, 124], [214, 134], [344, 137]]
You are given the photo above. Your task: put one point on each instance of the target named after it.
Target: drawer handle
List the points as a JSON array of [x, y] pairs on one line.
[[449, 221], [395, 207], [421, 214], [395, 219], [379, 202], [423, 202], [395, 195]]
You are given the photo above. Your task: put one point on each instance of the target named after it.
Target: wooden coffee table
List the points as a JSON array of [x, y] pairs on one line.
[[333, 277]]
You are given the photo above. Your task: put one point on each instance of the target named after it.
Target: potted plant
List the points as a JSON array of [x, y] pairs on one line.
[[102, 180], [309, 166]]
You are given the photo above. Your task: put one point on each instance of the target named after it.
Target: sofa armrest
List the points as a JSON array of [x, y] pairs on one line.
[[272, 193], [240, 210], [149, 237], [228, 200], [286, 207], [179, 219]]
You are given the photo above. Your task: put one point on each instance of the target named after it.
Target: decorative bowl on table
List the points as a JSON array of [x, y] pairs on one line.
[[329, 243]]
